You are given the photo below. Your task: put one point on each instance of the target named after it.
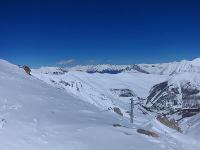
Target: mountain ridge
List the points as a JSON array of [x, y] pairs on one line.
[[161, 68]]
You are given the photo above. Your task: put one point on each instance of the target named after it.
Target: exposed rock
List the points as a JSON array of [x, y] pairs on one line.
[[190, 96], [146, 132], [117, 125], [2, 123], [169, 123], [65, 83], [110, 69], [163, 97], [189, 112], [138, 68], [170, 96], [27, 69], [123, 92], [118, 111]]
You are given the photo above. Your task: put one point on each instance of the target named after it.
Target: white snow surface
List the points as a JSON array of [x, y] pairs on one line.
[[96, 88], [173, 67], [162, 68], [37, 116]]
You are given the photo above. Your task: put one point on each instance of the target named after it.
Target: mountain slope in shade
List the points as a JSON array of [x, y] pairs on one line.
[[180, 91]]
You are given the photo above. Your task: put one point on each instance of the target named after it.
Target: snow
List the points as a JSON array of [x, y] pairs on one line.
[[99, 67], [37, 116], [97, 88], [191, 126], [196, 62], [162, 68], [47, 70], [173, 67]]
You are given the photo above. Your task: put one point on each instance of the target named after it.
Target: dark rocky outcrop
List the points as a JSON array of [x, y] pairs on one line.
[[172, 96], [123, 92], [171, 123], [117, 125], [137, 68], [189, 112], [111, 70], [148, 133], [163, 97], [65, 83], [118, 111], [27, 69]]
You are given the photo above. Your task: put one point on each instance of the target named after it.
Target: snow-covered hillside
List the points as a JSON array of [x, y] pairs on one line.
[[173, 67], [35, 115], [63, 115], [103, 90], [164, 86], [180, 91]]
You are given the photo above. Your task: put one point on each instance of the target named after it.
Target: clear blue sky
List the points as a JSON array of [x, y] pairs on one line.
[[45, 32]]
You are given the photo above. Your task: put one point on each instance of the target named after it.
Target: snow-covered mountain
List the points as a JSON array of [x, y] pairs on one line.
[[173, 67], [35, 115], [163, 68], [104, 90], [75, 111], [180, 91], [163, 86], [107, 68]]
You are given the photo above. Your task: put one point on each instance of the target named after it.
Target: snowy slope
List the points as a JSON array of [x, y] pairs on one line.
[[166, 87], [103, 90], [180, 91], [173, 67], [98, 84], [191, 126], [37, 116]]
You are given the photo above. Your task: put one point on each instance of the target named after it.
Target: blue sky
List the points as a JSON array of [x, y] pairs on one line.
[[41, 32]]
